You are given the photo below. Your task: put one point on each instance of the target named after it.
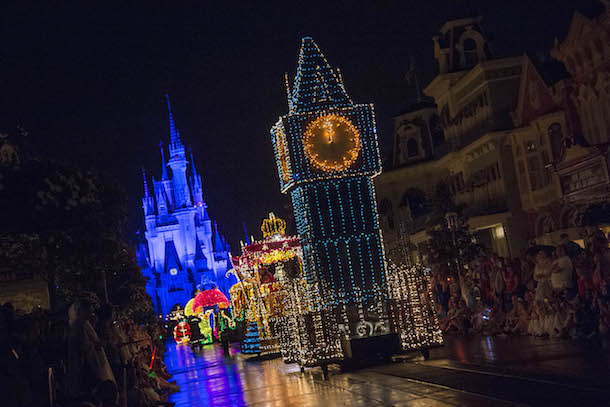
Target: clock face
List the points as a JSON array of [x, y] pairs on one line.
[[332, 143], [282, 151]]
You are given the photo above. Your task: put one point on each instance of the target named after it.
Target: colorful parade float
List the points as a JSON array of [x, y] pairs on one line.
[[205, 316], [342, 304], [269, 274]]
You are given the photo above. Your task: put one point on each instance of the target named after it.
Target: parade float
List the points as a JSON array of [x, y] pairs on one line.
[[204, 317], [268, 271]]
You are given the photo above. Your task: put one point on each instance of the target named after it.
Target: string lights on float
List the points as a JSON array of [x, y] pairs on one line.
[[327, 155]]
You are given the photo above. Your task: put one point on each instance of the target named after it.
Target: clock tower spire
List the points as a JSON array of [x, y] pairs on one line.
[[316, 84], [327, 155]]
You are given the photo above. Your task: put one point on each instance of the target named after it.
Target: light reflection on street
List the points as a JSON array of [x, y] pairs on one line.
[[207, 379]]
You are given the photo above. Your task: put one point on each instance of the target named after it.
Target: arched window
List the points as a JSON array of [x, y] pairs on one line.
[[415, 199], [412, 150], [471, 56]]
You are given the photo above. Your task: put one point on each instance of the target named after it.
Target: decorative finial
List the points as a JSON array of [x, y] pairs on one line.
[[288, 92], [173, 134]]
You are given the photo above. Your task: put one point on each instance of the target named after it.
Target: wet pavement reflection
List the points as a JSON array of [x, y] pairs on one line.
[[208, 379]]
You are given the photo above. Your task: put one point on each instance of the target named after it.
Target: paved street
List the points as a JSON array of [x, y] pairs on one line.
[[472, 372]]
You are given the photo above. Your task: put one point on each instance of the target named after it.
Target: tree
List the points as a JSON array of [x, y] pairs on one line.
[[67, 226], [449, 248]]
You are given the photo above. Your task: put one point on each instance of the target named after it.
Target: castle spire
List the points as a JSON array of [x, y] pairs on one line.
[[174, 135], [163, 163], [196, 187], [148, 202], [193, 166], [316, 82], [247, 240], [146, 190], [218, 246]]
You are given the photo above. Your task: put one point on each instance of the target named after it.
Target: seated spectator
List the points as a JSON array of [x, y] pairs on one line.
[[572, 248], [542, 275], [601, 258], [87, 362], [584, 267], [511, 278], [535, 324], [561, 270]]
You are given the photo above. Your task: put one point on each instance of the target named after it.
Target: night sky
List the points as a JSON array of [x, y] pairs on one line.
[[88, 84]]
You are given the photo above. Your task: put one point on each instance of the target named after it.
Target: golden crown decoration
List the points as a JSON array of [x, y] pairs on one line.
[[273, 226]]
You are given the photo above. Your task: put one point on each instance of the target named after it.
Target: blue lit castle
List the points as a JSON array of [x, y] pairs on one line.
[[180, 246]]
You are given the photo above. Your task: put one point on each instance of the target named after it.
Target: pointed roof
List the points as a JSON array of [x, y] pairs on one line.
[[163, 163], [316, 84], [174, 135], [171, 257], [218, 246], [247, 239], [198, 251], [196, 178], [225, 244], [535, 98], [146, 190]]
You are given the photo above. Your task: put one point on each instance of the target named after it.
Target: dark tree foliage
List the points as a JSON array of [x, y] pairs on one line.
[[448, 249], [596, 214], [67, 226]]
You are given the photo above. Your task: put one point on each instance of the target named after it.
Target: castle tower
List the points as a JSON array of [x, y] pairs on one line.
[[179, 249], [177, 163]]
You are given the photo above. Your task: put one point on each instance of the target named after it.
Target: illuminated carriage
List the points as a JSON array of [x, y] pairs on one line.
[[269, 282], [208, 310]]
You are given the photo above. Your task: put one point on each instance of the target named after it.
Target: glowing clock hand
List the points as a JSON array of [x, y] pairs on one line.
[[329, 130]]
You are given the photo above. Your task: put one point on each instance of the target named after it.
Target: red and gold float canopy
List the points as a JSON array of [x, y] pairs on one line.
[[275, 247]]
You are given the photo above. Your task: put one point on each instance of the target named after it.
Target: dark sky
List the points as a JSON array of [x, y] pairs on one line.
[[88, 84]]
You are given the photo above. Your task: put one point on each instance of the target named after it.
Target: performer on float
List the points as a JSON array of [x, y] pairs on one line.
[[225, 325], [182, 332], [205, 327]]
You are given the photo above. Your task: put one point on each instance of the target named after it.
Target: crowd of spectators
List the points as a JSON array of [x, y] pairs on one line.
[[550, 291], [81, 358]]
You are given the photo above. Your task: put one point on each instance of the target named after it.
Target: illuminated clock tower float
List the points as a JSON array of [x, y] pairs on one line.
[[327, 155]]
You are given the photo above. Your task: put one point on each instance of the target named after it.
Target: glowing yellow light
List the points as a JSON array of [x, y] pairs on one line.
[[332, 143], [273, 226]]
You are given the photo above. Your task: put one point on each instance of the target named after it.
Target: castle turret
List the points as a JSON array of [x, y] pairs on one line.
[[161, 197], [148, 202], [218, 246], [164, 176], [196, 186], [178, 164]]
